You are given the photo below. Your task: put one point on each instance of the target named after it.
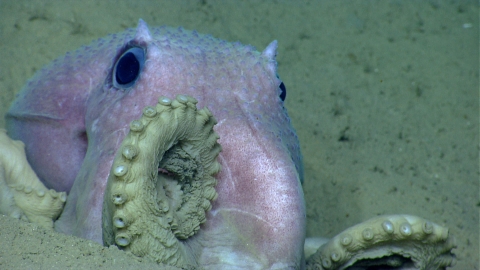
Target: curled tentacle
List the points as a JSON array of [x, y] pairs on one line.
[[22, 194], [162, 182], [395, 241]]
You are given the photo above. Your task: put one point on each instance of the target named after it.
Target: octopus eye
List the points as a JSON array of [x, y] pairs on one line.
[[283, 94], [128, 67]]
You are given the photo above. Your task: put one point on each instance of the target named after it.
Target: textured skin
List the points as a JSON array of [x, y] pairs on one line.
[[72, 121]]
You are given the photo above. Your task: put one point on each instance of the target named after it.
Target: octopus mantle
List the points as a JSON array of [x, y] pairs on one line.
[[149, 172]]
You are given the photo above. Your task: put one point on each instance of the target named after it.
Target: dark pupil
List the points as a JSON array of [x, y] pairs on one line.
[[127, 69], [283, 95]]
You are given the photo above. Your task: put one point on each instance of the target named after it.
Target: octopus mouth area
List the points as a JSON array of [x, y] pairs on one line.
[[162, 182], [176, 183]]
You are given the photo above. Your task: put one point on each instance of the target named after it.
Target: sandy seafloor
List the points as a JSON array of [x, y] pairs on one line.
[[383, 94]]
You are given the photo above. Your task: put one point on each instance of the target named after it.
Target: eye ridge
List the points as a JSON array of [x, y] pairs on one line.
[[128, 67]]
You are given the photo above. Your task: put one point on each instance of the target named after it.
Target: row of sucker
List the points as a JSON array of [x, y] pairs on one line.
[[426, 244], [162, 181], [39, 192]]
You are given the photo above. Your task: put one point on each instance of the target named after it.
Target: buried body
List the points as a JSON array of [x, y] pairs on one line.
[[115, 125]]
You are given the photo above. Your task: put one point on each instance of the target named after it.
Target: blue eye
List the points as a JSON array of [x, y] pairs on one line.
[[283, 94], [128, 67]]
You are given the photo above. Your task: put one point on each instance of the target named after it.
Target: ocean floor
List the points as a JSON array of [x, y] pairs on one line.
[[384, 96]]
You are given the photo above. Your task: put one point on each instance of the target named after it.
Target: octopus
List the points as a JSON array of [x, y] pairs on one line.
[[176, 147]]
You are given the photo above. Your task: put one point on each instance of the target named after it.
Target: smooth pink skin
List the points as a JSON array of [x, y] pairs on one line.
[[73, 120]]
